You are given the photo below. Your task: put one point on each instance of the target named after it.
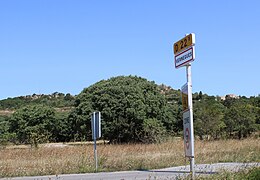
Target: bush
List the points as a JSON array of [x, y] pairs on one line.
[[153, 131], [130, 106]]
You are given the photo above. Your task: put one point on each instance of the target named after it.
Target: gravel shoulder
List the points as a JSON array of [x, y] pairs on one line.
[[166, 173]]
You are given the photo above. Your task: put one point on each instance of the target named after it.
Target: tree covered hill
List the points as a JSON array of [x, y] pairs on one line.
[[56, 100], [61, 100], [133, 110]]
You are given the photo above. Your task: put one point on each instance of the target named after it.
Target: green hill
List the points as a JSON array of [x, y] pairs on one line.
[[133, 110]]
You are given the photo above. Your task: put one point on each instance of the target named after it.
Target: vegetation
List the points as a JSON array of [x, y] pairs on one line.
[[54, 100], [78, 158], [247, 174], [133, 110]]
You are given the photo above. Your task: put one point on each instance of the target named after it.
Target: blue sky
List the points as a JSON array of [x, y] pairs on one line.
[[65, 46]]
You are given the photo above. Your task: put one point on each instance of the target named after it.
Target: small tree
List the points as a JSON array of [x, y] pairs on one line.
[[33, 124], [5, 136], [240, 120], [208, 118]]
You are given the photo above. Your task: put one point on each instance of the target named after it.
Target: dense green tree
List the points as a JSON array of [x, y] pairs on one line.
[[229, 101], [153, 131], [172, 118], [200, 95], [5, 136], [4, 126], [240, 119], [33, 124], [208, 118], [61, 130], [197, 96], [126, 103]]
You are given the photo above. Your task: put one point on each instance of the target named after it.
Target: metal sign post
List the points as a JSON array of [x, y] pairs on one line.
[[191, 132], [96, 133], [184, 51], [95, 147]]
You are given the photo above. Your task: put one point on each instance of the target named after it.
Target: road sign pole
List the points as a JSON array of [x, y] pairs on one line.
[[95, 154], [192, 160], [95, 141], [96, 133]]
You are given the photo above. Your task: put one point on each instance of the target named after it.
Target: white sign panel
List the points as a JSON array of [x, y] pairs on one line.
[[187, 134], [185, 57]]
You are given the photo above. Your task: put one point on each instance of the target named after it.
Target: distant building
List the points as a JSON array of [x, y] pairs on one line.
[[229, 96]]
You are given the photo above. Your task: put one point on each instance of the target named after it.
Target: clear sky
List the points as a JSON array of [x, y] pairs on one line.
[[67, 45]]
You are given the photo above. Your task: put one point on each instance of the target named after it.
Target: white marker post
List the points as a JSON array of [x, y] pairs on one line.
[[184, 51], [96, 133], [192, 160]]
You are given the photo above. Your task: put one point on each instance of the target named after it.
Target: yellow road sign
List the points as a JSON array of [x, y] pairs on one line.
[[184, 97], [184, 43], [184, 101]]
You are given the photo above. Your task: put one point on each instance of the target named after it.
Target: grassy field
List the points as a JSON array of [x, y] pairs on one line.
[[246, 174], [78, 158]]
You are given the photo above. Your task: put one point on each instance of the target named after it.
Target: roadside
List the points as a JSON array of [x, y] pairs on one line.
[[166, 173]]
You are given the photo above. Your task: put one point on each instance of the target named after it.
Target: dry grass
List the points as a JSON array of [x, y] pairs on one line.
[[79, 158]]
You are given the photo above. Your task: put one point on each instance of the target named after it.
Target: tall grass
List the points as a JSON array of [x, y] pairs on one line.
[[246, 174], [80, 158]]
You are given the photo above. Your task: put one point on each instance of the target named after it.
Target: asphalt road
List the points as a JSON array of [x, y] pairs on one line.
[[166, 173]]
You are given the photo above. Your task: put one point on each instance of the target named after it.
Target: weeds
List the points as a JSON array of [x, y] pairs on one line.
[[80, 158], [246, 174]]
